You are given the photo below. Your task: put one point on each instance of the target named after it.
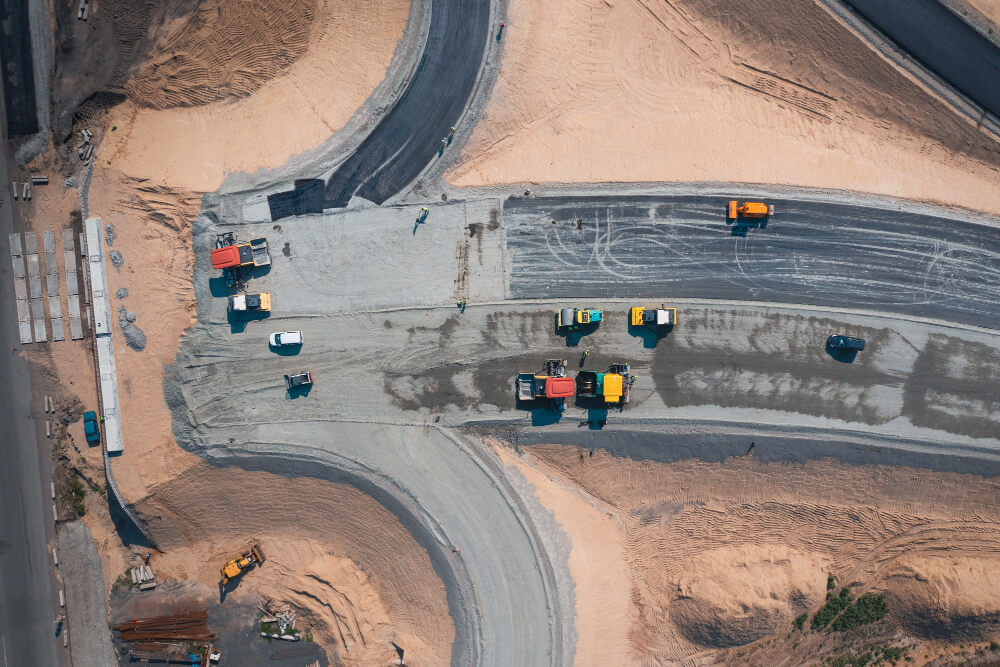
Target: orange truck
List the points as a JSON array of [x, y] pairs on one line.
[[230, 255], [749, 209]]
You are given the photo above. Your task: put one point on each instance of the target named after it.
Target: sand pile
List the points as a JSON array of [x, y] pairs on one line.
[[332, 550], [152, 231], [724, 554], [283, 95], [224, 49], [732, 596], [711, 90], [989, 8], [954, 598]]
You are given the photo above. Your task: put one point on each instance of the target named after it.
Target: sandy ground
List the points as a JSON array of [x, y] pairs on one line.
[[597, 565], [332, 551], [152, 226], [989, 8], [294, 106], [633, 90], [722, 556]]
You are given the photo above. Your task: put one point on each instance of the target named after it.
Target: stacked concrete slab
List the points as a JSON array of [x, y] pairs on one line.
[[35, 286], [72, 284], [108, 375], [52, 285], [21, 289]]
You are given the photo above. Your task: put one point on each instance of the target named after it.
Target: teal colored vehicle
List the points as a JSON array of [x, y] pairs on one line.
[[572, 318], [90, 429]]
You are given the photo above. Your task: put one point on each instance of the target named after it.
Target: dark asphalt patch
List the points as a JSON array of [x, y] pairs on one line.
[[770, 445], [16, 64], [942, 42], [813, 253], [409, 137], [307, 197]]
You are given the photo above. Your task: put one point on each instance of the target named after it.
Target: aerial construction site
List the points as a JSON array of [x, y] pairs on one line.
[[513, 333]]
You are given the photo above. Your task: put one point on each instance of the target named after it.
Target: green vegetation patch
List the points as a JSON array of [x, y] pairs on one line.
[[800, 621], [868, 608], [834, 605]]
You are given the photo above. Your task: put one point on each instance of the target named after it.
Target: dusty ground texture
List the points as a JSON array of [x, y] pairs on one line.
[[348, 565], [593, 91], [723, 556]]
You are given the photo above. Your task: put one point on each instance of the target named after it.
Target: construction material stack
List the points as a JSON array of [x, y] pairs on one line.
[[167, 639]]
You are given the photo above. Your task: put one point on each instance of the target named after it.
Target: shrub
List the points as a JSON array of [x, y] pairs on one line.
[[868, 608], [800, 621], [833, 607]]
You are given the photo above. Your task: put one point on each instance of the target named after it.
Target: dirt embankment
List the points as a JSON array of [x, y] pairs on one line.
[[721, 558], [215, 100], [342, 559], [705, 90]]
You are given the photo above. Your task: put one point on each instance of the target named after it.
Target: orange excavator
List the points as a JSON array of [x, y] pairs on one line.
[[749, 209]]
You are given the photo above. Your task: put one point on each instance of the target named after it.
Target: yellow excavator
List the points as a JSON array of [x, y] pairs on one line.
[[242, 563]]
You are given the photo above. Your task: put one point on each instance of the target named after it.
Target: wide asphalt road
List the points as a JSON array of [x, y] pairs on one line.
[[26, 608], [410, 135], [814, 253], [942, 42]]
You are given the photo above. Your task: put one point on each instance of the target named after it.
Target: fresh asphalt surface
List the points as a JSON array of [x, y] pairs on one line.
[[409, 137], [942, 42], [26, 608], [809, 252]]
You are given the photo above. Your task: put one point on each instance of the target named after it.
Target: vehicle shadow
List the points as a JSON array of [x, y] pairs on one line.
[[573, 335], [217, 286], [541, 414], [843, 356], [597, 413], [238, 321], [649, 337], [286, 350], [298, 392]]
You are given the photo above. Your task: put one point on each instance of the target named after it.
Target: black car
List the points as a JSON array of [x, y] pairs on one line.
[[838, 342]]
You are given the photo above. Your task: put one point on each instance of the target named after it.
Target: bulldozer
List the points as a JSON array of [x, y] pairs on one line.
[[572, 318], [242, 563], [612, 386], [653, 318], [549, 384], [749, 209]]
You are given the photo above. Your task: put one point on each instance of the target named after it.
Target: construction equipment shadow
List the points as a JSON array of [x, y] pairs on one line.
[[843, 356], [742, 226], [238, 321], [298, 392], [650, 337], [597, 414], [574, 335], [541, 414]]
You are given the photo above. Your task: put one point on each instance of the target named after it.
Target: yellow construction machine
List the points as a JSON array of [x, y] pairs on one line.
[[242, 563], [653, 318], [749, 209]]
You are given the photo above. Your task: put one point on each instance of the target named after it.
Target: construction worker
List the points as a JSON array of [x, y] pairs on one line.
[[423, 214], [527, 192], [586, 353], [500, 31], [451, 135]]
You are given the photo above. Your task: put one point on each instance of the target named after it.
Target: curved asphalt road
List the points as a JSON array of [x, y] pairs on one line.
[[410, 136], [942, 42], [810, 252]]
